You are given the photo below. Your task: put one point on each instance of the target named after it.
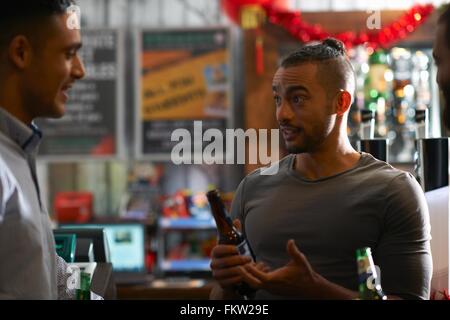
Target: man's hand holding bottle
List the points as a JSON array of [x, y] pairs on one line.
[[228, 266]]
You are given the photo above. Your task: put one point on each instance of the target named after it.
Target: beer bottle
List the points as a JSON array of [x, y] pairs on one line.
[[369, 285], [376, 90], [229, 235], [84, 292], [367, 129]]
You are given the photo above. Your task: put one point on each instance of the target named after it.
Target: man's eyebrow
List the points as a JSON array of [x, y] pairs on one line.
[[291, 89], [75, 46], [296, 88]]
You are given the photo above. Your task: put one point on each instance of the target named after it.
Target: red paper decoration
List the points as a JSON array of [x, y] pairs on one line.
[[292, 22]]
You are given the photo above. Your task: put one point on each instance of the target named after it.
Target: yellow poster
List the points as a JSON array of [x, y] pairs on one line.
[[194, 87]]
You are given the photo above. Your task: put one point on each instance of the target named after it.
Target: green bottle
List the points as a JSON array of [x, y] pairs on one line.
[[375, 85], [369, 286], [84, 293]]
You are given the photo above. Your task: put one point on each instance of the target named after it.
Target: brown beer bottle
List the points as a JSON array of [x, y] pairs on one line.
[[229, 235]]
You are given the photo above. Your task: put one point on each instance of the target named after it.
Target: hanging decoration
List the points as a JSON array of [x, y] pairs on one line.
[[252, 15], [278, 14], [382, 38], [234, 8]]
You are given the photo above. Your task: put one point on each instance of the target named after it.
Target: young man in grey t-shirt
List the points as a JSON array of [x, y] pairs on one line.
[[305, 223]]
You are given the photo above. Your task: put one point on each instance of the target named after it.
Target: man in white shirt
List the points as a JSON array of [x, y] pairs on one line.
[[38, 65]]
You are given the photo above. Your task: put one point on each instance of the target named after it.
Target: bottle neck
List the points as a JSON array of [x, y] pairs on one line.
[[219, 215]]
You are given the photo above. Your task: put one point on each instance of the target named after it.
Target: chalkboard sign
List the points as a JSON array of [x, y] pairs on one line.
[[93, 121], [183, 76]]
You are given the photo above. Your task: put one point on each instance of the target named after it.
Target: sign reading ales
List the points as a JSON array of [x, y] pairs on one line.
[[184, 76], [90, 123]]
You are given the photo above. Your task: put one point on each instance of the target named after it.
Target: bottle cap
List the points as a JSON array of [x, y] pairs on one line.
[[363, 251], [421, 115], [367, 115]]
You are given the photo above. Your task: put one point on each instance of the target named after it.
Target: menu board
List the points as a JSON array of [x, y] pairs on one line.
[[183, 76], [91, 123]]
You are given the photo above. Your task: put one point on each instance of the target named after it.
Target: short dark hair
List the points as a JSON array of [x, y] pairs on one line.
[[444, 18], [335, 70], [25, 16]]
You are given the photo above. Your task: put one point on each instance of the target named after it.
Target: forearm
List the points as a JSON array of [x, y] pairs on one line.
[[328, 290]]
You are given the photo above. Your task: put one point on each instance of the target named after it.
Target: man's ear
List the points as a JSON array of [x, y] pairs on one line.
[[343, 102], [20, 51]]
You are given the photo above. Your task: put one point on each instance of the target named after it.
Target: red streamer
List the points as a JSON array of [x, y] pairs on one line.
[[259, 50], [292, 22], [387, 35]]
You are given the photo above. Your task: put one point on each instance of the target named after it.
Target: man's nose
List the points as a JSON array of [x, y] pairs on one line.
[[284, 112], [78, 70]]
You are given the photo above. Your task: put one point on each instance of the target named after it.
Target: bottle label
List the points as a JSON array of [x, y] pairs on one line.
[[244, 249], [369, 278]]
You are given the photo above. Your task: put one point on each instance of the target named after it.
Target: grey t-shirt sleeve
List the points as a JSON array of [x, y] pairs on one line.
[[403, 252]]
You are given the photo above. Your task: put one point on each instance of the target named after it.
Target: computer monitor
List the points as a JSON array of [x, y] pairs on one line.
[[87, 236], [126, 243], [65, 245]]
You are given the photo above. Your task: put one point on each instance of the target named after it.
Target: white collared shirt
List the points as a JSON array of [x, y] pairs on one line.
[[28, 260]]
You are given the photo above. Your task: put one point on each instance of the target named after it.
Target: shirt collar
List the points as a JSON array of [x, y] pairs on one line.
[[26, 137]]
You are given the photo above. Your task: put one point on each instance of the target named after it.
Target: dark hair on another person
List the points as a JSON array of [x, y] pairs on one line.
[[27, 16], [444, 18], [334, 68]]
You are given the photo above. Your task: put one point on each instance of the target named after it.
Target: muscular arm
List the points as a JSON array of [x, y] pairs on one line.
[[330, 291], [403, 253]]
